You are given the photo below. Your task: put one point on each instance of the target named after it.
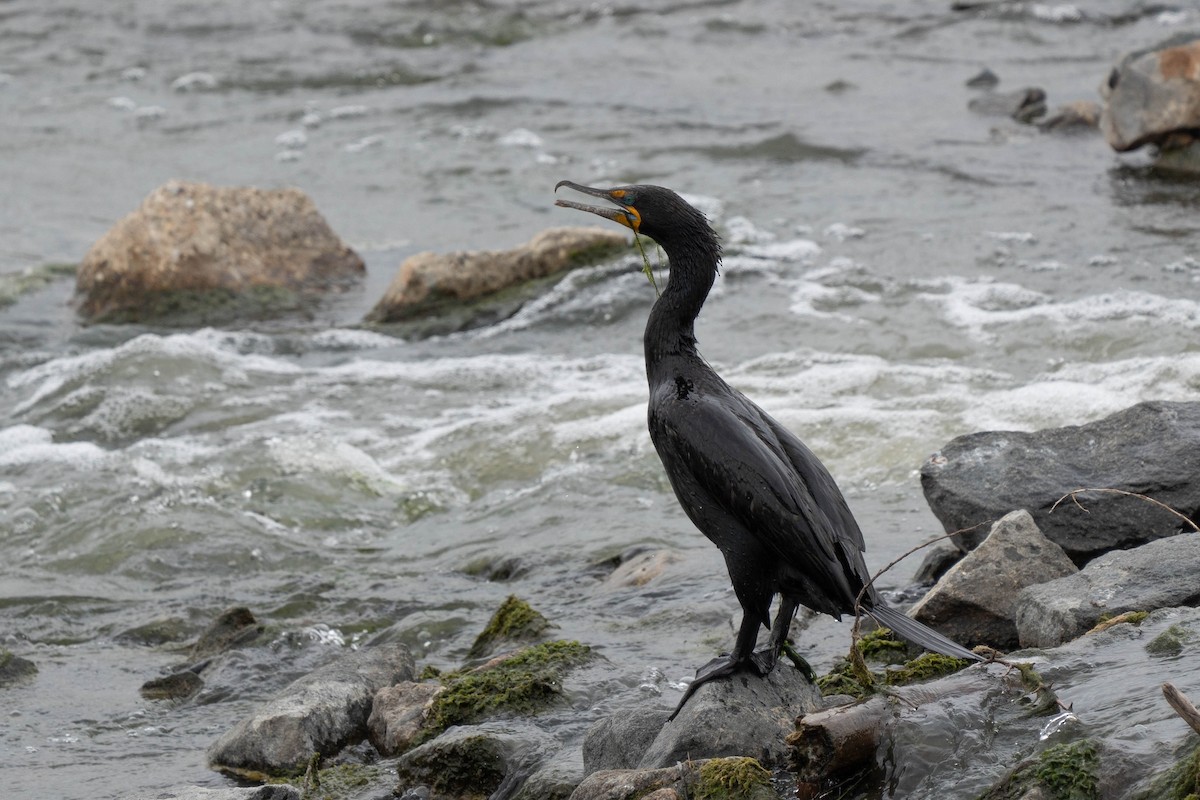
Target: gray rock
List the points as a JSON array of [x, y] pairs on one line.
[[1161, 574], [179, 686], [1153, 94], [14, 669], [619, 741], [494, 758], [1023, 105], [975, 601], [279, 791], [636, 784], [398, 715], [1079, 116], [939, 558], [233, 627], [191, 246], [447, 283], [1151, 449], [554, 780], [686, 779], [319, 713], [1110, 681], [743, 715]]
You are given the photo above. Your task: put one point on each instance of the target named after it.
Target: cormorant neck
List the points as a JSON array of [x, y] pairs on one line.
[[670, 330]]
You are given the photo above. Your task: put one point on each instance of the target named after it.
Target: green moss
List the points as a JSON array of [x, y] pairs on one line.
[[844, 678], [924, 668], [1063, 772], [514, 621], [14, 285], [522, 684], [429, 673], [334, 783], [883, 646], [735, 778], [1170, 642], [1181, 782]]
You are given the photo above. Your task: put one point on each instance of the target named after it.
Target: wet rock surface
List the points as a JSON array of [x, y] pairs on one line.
[[456, 285], [975, 601], [1161, 574], [319, 713], [14, 669], [474, 761], [1023, 105], [1153, 95], [743, 715], [1152, 449], [192, 252], [399, 714], [272, 792]]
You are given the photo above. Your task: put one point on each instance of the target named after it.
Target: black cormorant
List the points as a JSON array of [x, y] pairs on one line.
[[753, 488]]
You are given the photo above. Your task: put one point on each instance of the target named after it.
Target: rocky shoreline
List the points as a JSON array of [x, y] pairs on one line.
[[1128, 615]]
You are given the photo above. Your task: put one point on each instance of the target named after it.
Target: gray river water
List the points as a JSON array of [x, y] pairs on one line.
[[899, 271]]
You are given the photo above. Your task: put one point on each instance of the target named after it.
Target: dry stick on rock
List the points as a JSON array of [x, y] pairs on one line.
[[1183, 707], [1075, 499]]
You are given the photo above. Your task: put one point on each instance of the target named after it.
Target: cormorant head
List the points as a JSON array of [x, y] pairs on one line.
[[652, 211]]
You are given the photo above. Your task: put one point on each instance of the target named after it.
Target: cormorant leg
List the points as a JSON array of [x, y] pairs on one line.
[[764, 659], [723, 665]]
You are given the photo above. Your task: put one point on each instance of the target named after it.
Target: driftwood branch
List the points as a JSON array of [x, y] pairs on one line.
[[1183, 707]]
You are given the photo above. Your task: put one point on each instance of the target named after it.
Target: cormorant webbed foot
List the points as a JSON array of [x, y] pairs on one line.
[[719, 667]]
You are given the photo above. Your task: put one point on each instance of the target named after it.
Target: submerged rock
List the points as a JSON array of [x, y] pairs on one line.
[[1152, 449], [1153, 95], [737, 716], [179, 685], [1079, 116], [474, 761], [447, 283], [975, 601], [193, 252], [555, 779], [232, 628], [1161, 574], [1023, 105], [319, 713], [14, 669]]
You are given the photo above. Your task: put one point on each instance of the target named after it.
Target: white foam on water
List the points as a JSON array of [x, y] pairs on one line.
[[23, 445], [802, 251]]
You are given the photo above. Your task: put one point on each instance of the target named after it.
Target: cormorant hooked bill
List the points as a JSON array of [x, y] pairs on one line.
[[749, 484]]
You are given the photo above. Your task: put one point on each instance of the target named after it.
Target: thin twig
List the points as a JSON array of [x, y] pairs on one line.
[[1074, 497], [858, 609]]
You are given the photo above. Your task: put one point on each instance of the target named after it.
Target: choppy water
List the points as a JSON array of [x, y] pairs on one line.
[[899, 271]]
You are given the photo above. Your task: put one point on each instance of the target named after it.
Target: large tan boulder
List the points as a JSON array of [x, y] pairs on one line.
[[192, 247], [430, 283], [1152, 96]]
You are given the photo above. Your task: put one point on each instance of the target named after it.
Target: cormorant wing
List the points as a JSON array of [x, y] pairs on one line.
[[766, 478]]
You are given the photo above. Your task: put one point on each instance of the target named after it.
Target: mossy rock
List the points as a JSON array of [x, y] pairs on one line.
[[735, 778], [14, 285], [1062, 772], [1170, 642], [514, 621], [524, 684], [1181, 782], [843, 679]]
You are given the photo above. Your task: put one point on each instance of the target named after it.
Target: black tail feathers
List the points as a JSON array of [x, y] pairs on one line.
[[909, 629]]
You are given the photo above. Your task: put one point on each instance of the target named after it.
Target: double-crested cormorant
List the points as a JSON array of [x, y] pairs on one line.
[[753, 488]]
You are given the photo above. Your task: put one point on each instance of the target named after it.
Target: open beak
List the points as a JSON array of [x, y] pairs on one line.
[[625, 214]]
